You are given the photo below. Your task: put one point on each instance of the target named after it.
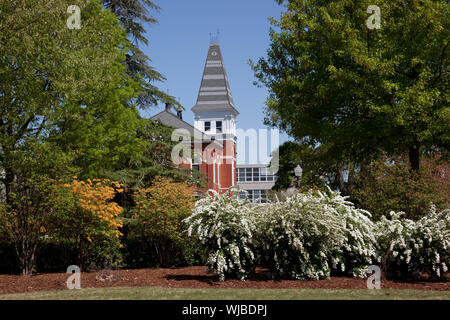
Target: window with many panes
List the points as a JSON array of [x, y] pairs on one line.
[[219, 126], [255, 175], [254, 195]]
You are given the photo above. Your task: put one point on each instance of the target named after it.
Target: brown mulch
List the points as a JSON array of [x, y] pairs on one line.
[[190, 277]]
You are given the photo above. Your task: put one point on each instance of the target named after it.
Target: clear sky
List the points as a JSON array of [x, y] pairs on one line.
[[178, 45]]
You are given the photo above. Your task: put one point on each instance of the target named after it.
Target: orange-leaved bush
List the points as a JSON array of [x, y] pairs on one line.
[[95, 216]]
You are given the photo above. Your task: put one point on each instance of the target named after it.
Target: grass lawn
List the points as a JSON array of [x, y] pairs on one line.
[[159, 293]]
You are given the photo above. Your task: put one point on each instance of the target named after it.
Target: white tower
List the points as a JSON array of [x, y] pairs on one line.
[[214, 112]]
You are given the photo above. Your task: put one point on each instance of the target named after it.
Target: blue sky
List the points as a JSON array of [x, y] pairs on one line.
[[178, 45]]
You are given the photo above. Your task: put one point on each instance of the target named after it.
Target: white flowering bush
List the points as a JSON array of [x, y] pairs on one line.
[[358, 247], [315, 235], [224, 225], [409, 247], [310, 235]]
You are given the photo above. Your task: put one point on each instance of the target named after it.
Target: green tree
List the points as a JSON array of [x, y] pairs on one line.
[[104, 134], [358, 91], [38, 200], [49, 73], [133, 16], [60, 87]]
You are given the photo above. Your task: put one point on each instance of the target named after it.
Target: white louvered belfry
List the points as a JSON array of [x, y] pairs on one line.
[[214, 112]]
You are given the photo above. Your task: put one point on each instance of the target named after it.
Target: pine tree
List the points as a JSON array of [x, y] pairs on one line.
[[134, 15]]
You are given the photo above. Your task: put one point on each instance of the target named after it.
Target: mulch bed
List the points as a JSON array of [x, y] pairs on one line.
[[190, 277]]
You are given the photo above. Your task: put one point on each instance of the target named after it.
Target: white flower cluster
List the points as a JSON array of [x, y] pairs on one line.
[[225, 225], [408, 247], [314, 235], [310, 235]]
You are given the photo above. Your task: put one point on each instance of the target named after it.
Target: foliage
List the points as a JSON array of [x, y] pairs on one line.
[[224, 226], [104, 134], [94, 218], [307, 236], [319, 169], [63, 85], [410, 247], [133, 15], [360, 92], [34, 200], [154, 160], [388, 184], [158, 215]]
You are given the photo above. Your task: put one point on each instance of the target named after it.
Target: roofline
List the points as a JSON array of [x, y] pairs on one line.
[[174, 115], [205, 137]]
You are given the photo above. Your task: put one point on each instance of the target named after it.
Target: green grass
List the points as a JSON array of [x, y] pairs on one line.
[[159, 293]]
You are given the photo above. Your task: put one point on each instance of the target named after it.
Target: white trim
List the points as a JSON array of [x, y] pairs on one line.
[[212, 88], [233, 182], [214, 102], [216, 93], [213, 76], [214, 169]]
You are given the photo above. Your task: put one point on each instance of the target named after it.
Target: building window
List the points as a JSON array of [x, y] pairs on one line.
[[207, 125], [219, 126], [259, 196], [248, 174], [196, 167], [241, 175], [255, 175]]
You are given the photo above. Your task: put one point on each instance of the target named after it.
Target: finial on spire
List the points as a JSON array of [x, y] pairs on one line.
[[214, 38]]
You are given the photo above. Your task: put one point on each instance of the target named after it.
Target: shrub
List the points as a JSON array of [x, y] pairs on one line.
[[157, 219], [388, 185], [94, 222], [224, 226], [308, 235], [32, 200], [408, 247], [358, 249]]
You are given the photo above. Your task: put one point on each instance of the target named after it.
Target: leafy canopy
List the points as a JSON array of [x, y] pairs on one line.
[[359, 91]]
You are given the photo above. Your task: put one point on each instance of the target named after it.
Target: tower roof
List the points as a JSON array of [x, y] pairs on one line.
[[214, 93]]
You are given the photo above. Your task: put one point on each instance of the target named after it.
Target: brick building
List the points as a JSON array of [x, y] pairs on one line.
[[214, 128]]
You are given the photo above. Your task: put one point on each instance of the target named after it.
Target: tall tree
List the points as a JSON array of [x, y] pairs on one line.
[[50, 72], [134, 15], [46, 69], [361, 91]]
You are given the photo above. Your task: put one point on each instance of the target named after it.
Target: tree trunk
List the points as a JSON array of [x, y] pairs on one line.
[[8, 181], [27, 256], [414, 157]]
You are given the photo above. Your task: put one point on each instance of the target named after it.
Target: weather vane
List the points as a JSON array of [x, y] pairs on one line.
[[214, 38]]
